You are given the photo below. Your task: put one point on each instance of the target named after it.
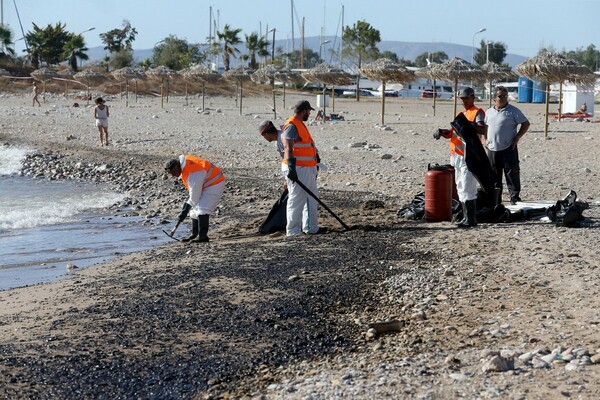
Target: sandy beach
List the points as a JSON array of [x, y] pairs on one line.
[[505, 310]]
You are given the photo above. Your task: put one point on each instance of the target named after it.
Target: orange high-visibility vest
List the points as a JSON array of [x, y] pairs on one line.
[[195, 164], [304, 151], [456, 144]]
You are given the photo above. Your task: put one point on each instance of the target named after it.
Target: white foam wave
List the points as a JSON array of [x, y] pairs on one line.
[[11, 159], [57, 207]]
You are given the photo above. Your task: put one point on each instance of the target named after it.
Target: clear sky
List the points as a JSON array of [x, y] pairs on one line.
[[523, 25]]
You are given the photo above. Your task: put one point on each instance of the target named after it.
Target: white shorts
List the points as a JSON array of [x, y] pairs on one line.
[[102, 122]]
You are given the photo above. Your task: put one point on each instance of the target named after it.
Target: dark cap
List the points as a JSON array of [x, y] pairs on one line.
[[264, 126], [171, 163], [466, 92], [303, 105]]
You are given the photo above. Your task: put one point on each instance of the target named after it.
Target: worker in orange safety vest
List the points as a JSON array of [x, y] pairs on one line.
[[466, 183], [299, 163], [206, 184]]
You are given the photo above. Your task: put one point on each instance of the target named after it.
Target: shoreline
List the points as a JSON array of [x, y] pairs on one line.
[[248, 316]]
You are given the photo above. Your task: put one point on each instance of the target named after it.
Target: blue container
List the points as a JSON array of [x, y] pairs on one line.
[[539, 92], [525, 92]]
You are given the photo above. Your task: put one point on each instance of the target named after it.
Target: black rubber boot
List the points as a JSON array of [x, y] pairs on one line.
[[202, 229], [471, 208], [194, 231]]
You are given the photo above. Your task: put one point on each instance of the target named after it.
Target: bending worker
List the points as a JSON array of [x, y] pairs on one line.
[[300, 164], [206, 185], [466, 183]]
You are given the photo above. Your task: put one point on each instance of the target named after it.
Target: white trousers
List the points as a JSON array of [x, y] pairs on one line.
[[209, 200], [302, 213], [466, 183]]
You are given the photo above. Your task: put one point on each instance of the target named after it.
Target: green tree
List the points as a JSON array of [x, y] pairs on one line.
[[360, 41], [73, 49], [6, 42], [116, 39], [311, 58], [121, 59], [390, 55], [47, 44], [435, 57], [257, 46], [588, 56], [176, 53], [497, 53], [229, 38]]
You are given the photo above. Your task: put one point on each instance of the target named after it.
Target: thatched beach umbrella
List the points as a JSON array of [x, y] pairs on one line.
[[493, 72], [454, 70], [385, 70], [89, 78], [160, 73], [427, 73], [200, 73], [126, 74], [554, 67], [240, 75], [327, 74], [44, 75]]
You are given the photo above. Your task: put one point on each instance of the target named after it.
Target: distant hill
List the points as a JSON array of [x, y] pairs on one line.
[[406, 50]]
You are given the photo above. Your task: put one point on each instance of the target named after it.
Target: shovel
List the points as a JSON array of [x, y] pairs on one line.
[[173, 232], [311, 194]]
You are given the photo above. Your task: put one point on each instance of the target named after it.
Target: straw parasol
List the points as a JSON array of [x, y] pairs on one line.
[[89, 78], [554, 67], [160, 73], [454, 70], [240, 75], [494, 72], [327, 74], [44, 75], [200, 73], [273, 73], [385, 70], [127, 73]]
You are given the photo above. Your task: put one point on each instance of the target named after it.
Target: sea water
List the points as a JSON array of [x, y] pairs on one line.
[[46, 225]]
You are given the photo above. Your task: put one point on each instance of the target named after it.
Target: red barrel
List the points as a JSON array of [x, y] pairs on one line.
[[438, 194]]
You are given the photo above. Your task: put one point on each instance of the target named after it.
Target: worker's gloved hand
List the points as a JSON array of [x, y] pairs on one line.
[[184, 211], [437, 134], [318, 158], [292, 174]]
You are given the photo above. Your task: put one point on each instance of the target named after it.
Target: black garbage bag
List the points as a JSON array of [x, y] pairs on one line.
[[276, 221], [568, 211], [415, 209]]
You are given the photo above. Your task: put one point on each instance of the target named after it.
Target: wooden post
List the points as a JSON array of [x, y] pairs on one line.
[[162, 94], [324, 104], [547, 105], [434, 96], [332, 98], [559, 101], [274, 105], [455, 95], [241, 95], [284, 82], [136, 90], [202, 95], [382, 103]]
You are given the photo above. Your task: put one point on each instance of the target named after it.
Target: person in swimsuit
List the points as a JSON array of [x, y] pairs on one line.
[[101, 114]]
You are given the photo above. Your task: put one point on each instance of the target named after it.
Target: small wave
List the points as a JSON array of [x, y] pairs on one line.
[[11, 159]]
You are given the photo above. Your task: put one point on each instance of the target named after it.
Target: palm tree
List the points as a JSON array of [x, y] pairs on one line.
[[256, 46], [230, 38], [6, 42], [73, 49]]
